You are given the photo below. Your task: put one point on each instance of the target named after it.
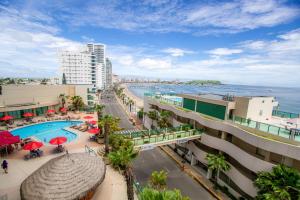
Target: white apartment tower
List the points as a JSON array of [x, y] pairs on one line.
[[87, 66]]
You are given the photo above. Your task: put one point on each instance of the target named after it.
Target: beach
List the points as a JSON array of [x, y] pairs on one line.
[[139, 102]]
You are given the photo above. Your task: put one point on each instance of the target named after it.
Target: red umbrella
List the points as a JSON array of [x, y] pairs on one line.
[[32, 145], [28, 114], [50, 111], [92, 122], [88, 117], [5, 134], [94, 131], [63, 109], [58, 140], [6, 118]]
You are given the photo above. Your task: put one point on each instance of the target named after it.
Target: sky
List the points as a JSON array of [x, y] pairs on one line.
[[251, 42]]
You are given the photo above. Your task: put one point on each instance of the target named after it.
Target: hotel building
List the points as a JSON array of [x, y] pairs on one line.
[[86, 66], [241, 128], [15, 100]]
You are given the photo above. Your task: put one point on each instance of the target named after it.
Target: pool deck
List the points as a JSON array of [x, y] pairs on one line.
[[113, 187]]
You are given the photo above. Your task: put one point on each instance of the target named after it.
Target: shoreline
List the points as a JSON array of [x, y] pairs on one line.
[[139, 102]]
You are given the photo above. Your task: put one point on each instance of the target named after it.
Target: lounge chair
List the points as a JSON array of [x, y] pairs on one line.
[[34, 154], [83, 128]]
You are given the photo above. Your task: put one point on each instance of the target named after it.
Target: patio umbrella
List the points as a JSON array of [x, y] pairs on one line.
[[32, 145], [28, 114], [58, 140], [63, 109], [93, 122], [94, 131], [50, 111], [5, 134], [88, 117], [6, 118]]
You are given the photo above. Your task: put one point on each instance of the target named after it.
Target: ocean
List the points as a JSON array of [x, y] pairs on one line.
[[288, 98]]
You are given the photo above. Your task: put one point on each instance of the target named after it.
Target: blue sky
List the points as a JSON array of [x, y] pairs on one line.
[[253, 42]]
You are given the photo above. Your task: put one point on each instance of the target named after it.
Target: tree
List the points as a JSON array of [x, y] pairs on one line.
[[110, 125], [153, 116], [158, 180], [153, 194], [122, 160], [163, 121], [131, 103], [216, 162], [77, 102], [118, 141], [99, 109], [64, 80], [282, 183]]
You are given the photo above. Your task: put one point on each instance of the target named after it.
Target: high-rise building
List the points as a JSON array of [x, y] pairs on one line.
[[87, 66]]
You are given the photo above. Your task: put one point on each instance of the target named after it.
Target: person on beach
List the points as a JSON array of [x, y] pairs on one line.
[[4, 166]]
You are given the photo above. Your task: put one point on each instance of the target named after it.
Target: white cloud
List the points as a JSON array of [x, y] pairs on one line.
[[176, 52], [153, 64], [224, 51]]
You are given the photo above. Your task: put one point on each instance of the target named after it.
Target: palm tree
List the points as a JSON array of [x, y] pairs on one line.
[[77, 102], [153, 116], [131, 103], [216, 162], [122, 160], [122, 96], [109, 125], [282, 183], [99, 109], [158, 180], [62, 98], [151, 193]]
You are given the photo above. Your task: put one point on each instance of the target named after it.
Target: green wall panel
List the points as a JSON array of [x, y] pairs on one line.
[[189, 104], [210, 109]]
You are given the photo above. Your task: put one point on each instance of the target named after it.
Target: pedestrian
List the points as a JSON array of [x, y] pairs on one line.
[[4, 166]]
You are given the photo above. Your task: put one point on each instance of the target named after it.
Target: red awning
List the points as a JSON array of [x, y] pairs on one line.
[[28, 114], [58, 140], [7, 117], [94, 131], [32, 145]]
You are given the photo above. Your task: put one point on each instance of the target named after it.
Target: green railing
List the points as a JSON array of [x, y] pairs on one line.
[[165, 137], [284, 114], [275, 130]]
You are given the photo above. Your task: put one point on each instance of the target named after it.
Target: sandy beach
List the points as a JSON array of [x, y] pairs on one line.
[[138, 101]]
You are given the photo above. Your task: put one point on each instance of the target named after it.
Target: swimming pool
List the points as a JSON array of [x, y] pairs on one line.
[[46, 131]]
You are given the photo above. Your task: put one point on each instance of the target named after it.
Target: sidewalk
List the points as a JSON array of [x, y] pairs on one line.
[[194, 174]]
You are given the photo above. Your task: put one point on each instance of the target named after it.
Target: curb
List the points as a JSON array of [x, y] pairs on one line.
[[191, 174]]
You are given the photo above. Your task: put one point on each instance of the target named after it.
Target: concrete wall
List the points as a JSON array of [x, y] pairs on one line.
[[37, 95]]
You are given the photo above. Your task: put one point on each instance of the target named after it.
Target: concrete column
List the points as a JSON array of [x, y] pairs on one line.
[[223, 136], [193, 160], [209, 174], [257, 125], [288, 161], [267, 156]]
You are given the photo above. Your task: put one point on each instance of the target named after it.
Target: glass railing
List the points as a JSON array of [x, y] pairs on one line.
[[168, 98], [284, 114], [168, 136], [268, 128]]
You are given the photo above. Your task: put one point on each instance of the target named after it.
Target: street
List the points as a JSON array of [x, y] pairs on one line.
[[151, 160]]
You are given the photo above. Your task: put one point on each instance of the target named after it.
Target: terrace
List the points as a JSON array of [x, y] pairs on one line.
[[279, 127]]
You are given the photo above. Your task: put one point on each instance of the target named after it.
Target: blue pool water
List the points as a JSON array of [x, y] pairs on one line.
[[46, 131]]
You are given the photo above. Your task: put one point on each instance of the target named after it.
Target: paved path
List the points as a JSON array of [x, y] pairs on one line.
[[151, 160]]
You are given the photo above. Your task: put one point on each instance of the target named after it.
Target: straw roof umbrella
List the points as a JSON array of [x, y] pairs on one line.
[[67, 177]]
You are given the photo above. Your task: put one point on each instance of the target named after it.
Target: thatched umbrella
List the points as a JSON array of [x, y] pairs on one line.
[[67, 177]]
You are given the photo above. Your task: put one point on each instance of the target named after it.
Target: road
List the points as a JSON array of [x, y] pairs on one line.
[[151, 160]]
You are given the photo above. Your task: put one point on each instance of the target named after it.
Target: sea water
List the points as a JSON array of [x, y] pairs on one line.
[[288, 98]]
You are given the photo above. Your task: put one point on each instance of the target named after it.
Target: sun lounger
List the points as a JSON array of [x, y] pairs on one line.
[[34, 154], [83, 128]]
